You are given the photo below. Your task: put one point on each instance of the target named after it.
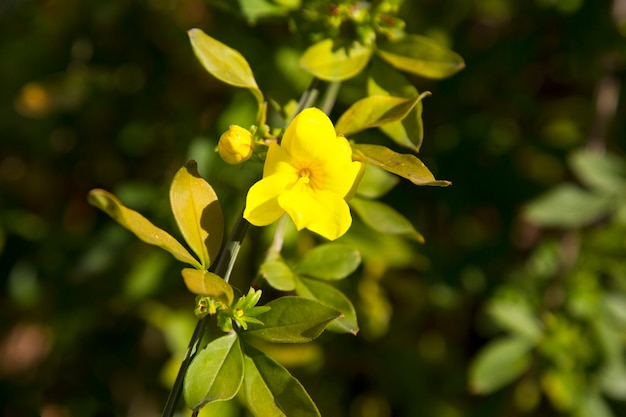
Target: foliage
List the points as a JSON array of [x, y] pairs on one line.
[[500, 295]]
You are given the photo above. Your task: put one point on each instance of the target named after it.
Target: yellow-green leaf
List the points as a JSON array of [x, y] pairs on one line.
[[292, 320], [207, 283], [215, 374], [268, 389], [374, 111], [328, 63], [224, 63], [409, 131], [197, 213], [139, 225], [332, 297], [278, 274], [499, 363], [329, 261], [376, 182], [421, 56], [383, 218], [406, 166]]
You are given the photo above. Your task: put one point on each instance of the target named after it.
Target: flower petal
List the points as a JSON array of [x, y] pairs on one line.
[[340, 179], [278, 160], [311, 136], [262, 206], [320, 211]]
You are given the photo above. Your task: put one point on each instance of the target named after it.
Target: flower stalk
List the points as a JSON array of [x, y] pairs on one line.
[[223, 268]]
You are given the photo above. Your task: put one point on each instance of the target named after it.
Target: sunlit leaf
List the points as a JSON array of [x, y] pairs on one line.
[[601, 171], [215, 374], [292, 320], [197, 212], [224, 63], [203, 282], [140, 226], [615, 304], [328, 63], [332, 297], [421, 56], [594, 405], [404, 165], [610, 338], [278, 274], [376, 182], [498, 364], [562, 387], [383, 218], [330, 261], [270, 390], [254, 10], [374, 111], [409, 131], [567, 206], [516, 318]]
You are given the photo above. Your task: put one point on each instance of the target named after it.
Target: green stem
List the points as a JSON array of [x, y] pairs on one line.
[[279, 238], [224, 265], [223, 268], [330, 96], [308, 97]]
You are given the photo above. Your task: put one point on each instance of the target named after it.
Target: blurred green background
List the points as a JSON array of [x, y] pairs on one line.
[[109, 94]]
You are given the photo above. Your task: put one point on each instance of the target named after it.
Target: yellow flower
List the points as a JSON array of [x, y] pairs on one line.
[[307, 176], [236, 145]]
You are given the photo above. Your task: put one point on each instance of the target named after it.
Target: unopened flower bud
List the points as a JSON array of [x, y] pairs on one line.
[[236, 145]]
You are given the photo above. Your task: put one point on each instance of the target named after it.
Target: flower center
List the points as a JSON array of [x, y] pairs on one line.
[[304, 175]]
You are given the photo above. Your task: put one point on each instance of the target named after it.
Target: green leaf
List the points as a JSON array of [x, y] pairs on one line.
[[376, 182], [516, 318], [594, 405], [140, 226], [270, 390], [254, 10], [335, 64], [332, 261], [374, 111], [197, 213], [292, 320], [383, 218], [567, 206], [603, 172], [498, 364], [421, 56], [612, 375], [215, 374], [224, 63], [409, 131], [278, 274], [406, 166], [615, 305], [562, 387], [203, 282], [332, 297]]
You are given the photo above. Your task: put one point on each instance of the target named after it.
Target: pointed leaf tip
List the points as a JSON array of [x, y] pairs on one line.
[[404, 165], [224, 63], [139, 225]]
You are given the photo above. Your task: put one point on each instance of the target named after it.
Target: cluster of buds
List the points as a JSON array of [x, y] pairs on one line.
[[240, 314]]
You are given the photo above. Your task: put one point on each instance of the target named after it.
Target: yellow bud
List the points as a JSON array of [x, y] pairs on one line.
[[236, 145]]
